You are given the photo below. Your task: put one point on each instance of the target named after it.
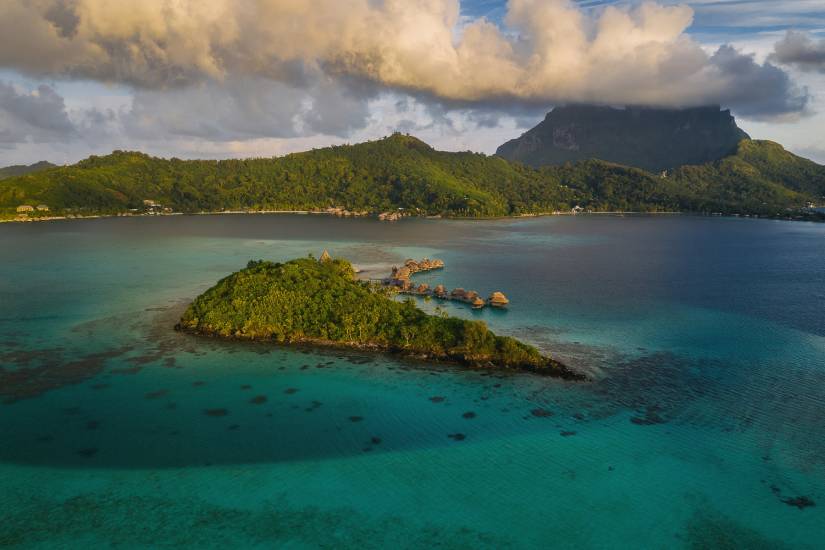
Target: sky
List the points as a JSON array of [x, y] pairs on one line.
[[244, 78]]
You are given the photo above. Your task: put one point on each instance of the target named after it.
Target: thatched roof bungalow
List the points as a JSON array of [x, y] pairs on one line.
[[497, 299], [478, 302]]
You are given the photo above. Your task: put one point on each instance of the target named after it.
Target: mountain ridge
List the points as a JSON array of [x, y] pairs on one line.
[[653, 139], [22, 169], [402, 173]]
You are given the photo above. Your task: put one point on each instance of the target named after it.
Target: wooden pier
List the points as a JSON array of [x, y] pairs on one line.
[[400, 280]]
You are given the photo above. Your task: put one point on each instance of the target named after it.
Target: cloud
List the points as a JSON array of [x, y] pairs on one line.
[[247, 107], [37, 116], [759, 91], [800, 51], [548, 52]]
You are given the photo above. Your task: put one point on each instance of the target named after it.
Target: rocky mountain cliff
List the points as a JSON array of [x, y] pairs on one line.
[[648, 138]]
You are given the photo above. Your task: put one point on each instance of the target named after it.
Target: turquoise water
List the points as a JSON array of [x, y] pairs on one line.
[[702, 428]]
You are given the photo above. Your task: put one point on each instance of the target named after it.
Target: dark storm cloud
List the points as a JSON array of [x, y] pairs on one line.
[[800, 51], [33, 116], [762, 90]]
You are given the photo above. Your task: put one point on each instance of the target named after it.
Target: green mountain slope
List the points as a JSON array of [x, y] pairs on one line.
[[761, 177], [21, 169], [403, 172]]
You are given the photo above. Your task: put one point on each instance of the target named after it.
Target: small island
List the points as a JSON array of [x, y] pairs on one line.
[[321, 302]]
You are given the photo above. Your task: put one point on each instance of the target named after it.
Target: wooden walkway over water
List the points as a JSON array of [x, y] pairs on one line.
[[400, 280]]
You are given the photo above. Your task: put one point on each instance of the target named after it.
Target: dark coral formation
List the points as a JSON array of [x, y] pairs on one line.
[[25, 382], [800, 502], [650, 417]]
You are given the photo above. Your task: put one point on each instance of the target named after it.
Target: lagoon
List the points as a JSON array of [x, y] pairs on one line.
[[703, 427]]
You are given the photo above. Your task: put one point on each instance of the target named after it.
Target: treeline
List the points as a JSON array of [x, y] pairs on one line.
[[403, 172]]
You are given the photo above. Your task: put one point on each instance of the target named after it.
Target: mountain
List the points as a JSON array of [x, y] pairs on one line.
[[21, 169], [402, 172], [652, 139]]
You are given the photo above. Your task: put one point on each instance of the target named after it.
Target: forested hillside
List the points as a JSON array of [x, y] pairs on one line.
[[321, 302], [403, 172], [21, 169]]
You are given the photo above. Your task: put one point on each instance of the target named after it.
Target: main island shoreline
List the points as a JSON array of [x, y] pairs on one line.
[[814, 218]]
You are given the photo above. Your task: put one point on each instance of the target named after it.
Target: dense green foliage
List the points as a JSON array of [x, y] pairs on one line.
[[649, 138], [761, 178], [21, 169], [403, 172], [306, 300]]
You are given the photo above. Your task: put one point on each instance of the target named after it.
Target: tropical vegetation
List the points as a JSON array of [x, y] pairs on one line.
[[402, 172], [322, 302]]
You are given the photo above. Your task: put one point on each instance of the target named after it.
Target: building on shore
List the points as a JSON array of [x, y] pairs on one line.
[[25, 208]]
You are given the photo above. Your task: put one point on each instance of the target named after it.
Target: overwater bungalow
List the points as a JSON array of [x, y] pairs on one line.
[[400, 278], [497, 299]]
